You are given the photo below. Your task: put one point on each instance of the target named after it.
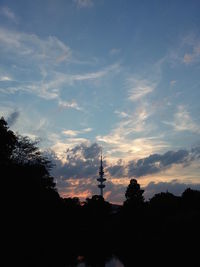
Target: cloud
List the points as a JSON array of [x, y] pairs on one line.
[[139, 88], [172, 83], [59, 145], [121, 114], [84, 3], [12, 118], [44, 59], [195, 153], [5, 78], [173, 187], [67, 105], [51, 84], [183, 121], [70, 132], [188, 50], [188, 58], [115, 192], [82, 161], [118, 146], [114, 51], [87, 130], [156, 163], [79, 188], [9, 14], [73, 133], [117, 170], [97, 74], [153, 164], [32, 47], [76, 176], [87, 187], [194, 55], [132, 135], [38, 56]]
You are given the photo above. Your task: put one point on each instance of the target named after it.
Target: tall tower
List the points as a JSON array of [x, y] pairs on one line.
[[101, 178]]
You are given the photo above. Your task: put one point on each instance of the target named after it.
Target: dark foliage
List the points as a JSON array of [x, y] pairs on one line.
[[7, 142], [134, 195], [97, 206]]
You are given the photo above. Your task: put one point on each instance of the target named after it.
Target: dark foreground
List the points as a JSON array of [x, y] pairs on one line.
[[39, 228], [55, 238]]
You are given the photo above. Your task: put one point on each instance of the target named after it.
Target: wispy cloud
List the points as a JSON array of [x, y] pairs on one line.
[[30, 46], [49, 87], [188, 58], [132, 137], [67, 105], [70, 132], [51, 84], [4, 78], [118, 143], [121, 114], [193, 45], [84, 3], [139, 88], [188, 50], [73, 133], [172, 83], [9, 14], [131, 148], [114, 51], [41, 57], [87, 130], [95, 75], [183, 121]]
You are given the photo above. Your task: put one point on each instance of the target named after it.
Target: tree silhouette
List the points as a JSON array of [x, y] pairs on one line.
[[72, 203], [28, 186], [191, 199], [134, 195], [164, 203], [7, 142], [22, 163], [31, 204], [97, 206]]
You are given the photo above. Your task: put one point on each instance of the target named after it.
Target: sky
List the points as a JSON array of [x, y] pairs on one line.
[[119, 75]]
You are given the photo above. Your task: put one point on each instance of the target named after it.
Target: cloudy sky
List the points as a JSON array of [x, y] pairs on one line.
[[123, 75]]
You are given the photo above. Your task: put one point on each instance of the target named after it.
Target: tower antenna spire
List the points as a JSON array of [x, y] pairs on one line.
[[101, 178]]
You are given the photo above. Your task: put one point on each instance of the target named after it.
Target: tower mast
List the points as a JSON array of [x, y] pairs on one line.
[[101, 178]]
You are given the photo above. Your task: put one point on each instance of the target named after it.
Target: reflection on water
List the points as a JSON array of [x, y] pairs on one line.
[[113, 262]]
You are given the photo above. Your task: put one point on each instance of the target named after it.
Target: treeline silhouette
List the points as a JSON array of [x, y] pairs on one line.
[[42, 229]]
